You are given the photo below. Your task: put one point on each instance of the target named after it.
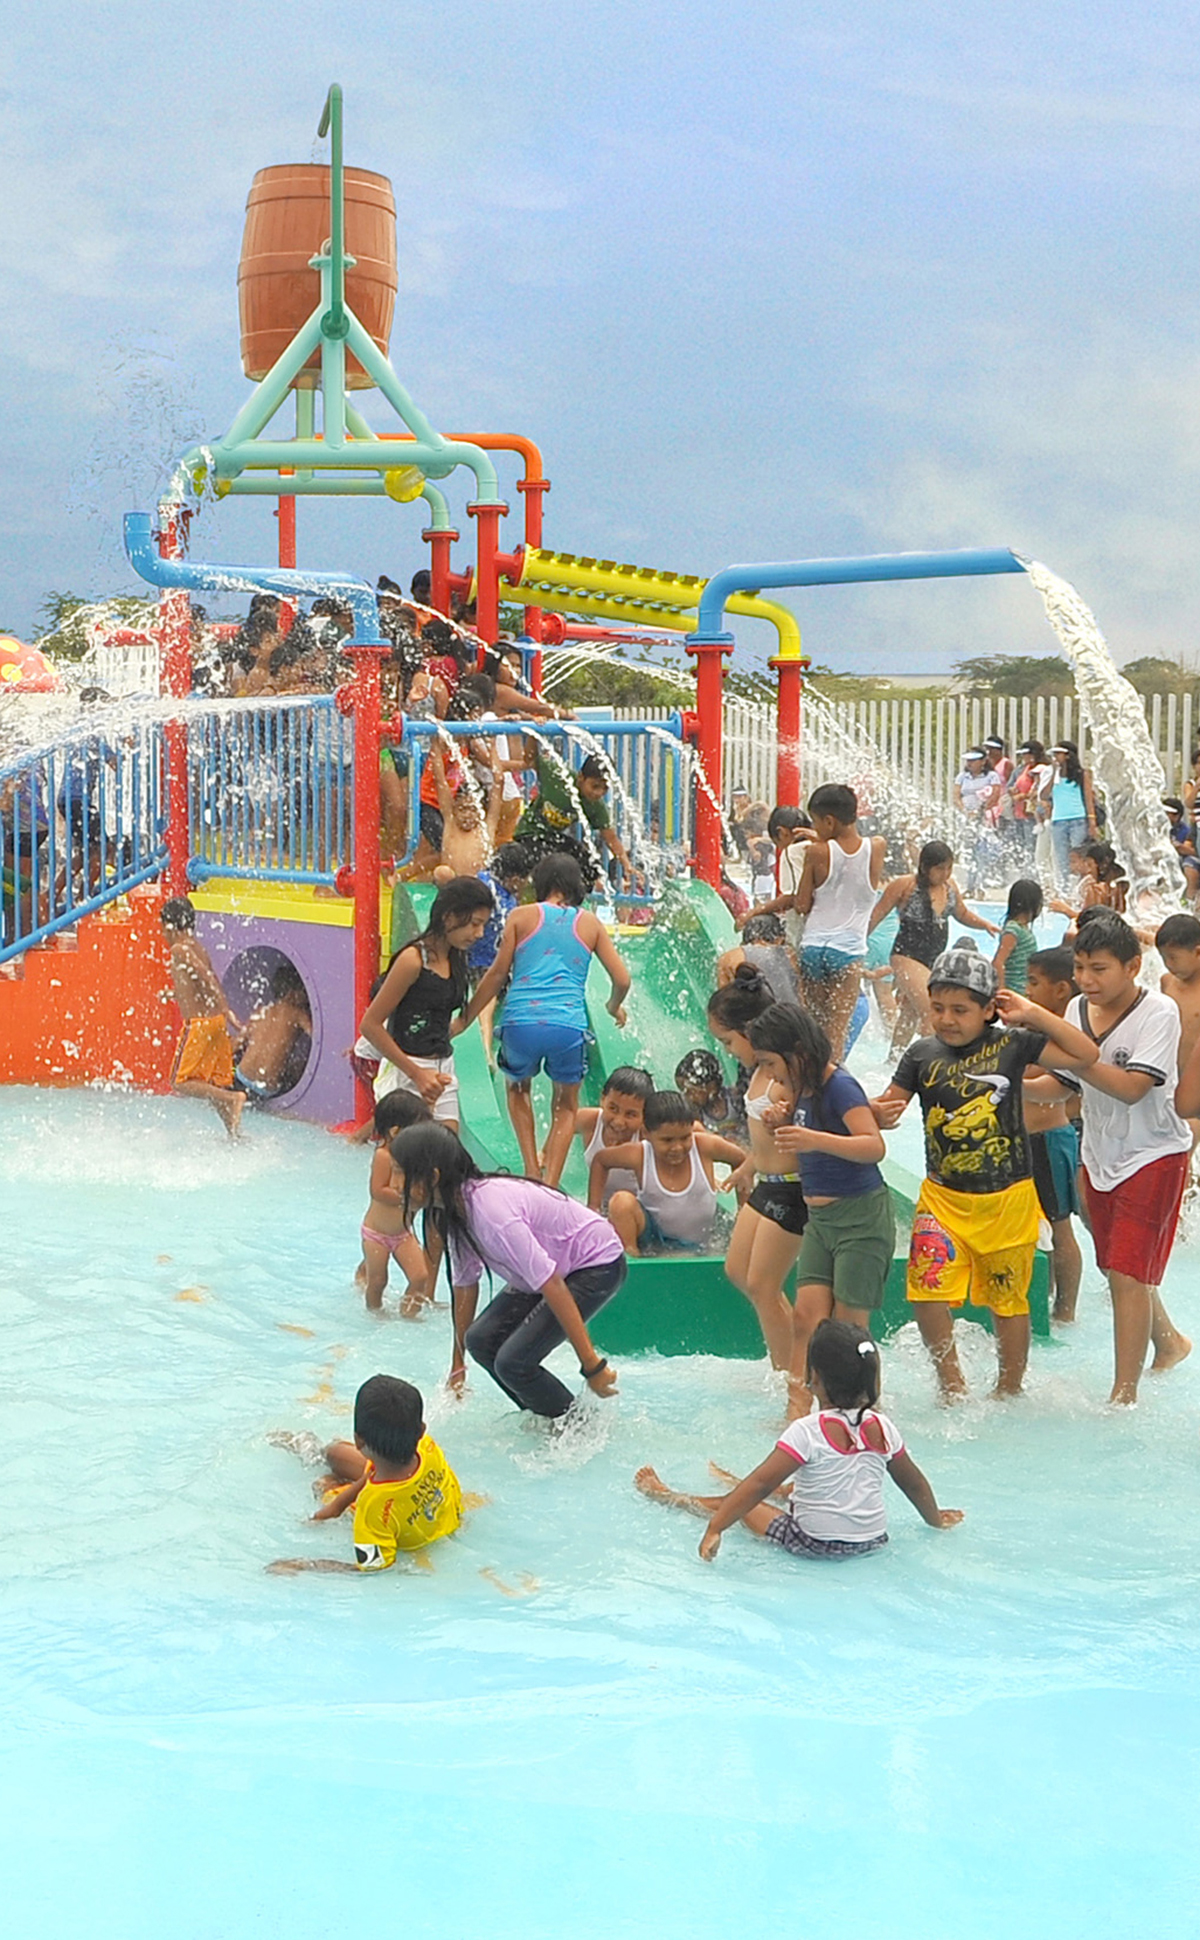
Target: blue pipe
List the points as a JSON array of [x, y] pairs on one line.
[[843, 572], [148, 563]]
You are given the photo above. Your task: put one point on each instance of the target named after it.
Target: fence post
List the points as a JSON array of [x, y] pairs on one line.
[[175, 675]]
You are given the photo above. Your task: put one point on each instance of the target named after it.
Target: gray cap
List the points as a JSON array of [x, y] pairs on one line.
[[965, 969]]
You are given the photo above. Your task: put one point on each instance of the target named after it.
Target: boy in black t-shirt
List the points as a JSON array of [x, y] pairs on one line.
[[976, 1223]]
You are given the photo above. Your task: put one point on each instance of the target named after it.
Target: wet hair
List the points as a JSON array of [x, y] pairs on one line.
[[793, 1034], [462, 897], [766, 928], [397, 1110], [1103, 857], [666, 1108], [1024, 899], [433, 1158], [630, 1080], [178, 914], [593, 769], [1090, 914], [481, 685], [786, 818], [287, 984], [1072, 766], [327, 608], [389, 1415], [558, 874], [465, 704], [698, 1068], [737, 1004], [836, 800], [511, 859], [1057, 965], [846, 1361], [1178, 933], [1106, 934], [934, 855]]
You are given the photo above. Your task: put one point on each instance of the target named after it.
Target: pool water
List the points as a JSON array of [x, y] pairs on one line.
[[567, 1724]]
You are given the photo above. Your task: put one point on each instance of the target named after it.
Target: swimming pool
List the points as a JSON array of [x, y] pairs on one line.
[[568, 1724]]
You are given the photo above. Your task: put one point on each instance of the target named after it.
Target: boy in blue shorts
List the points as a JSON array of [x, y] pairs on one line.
[[544, 957], [1054, 1138], [976, 1223]]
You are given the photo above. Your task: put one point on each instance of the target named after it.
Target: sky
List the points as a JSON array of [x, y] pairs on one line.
[[763, 283]]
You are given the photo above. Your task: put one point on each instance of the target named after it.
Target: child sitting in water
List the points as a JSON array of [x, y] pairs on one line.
[[674, 1208], [402, 1489], [837, 1454], [385, 1237], [616, 1121], [715, 1105]]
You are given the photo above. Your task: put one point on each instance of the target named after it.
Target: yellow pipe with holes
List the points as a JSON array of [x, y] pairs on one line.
[[638, 594]]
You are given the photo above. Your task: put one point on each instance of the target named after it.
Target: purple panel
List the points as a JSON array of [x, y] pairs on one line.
[[323, 954]]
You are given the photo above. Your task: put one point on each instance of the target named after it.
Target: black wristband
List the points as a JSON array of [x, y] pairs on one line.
[[590, 1373]]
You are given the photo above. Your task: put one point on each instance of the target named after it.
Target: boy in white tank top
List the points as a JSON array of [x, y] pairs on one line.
[[839, 886], [674, 1208], [617, 1120]]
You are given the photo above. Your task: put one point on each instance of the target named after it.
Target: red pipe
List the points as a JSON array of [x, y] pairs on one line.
[[175, 679], [440, 543], [487, 576], [287, 554], [362, 881], [710, 695], [787, 765]]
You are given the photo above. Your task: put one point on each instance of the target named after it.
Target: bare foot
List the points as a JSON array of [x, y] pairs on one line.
[[1175, 1348], [651, 1483], [360, 1273], [1124, 1396], [1000, 1393], [1063, 1316]]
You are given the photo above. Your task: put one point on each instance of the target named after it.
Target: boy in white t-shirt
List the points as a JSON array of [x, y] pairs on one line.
[[1135, 1144]]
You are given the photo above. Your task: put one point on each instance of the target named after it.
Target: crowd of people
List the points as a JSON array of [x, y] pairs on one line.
[[1054, 1088]]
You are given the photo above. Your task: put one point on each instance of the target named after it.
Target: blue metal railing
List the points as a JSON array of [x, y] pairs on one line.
[[270, 791], [81, 823]]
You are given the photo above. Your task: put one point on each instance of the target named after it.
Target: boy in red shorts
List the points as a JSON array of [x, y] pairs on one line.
[[1135, 1144]]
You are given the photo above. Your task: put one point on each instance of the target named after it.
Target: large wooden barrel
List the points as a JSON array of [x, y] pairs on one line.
[[287, 220]]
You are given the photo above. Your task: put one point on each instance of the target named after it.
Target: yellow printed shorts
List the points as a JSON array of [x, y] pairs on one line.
[[204, 1054], [976, 1245]]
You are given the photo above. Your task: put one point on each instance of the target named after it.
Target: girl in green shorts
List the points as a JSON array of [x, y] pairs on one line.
[[834, 1141]]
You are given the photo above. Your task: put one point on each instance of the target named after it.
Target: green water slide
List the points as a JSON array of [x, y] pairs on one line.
[[673, 1305]]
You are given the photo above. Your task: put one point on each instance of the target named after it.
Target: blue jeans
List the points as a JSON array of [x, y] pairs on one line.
[[1064, 837], [514, 1334]]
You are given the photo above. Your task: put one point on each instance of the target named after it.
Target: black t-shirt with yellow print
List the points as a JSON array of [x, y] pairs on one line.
[[975, 1137]]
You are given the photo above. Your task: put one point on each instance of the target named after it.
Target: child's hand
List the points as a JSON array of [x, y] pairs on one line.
[[604, 1381], [618, 1015], [710, 1543], [1015, 1009], [773, 1116], [795, 1138], [286, 1566], [948, 1517], [456, 1380], [431, 1085], [888, 1112]]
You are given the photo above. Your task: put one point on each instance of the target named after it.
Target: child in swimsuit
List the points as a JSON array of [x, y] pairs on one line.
[[616, 1120], [675, 1206], [385, 1237], [203, 1065], [838, 1455]]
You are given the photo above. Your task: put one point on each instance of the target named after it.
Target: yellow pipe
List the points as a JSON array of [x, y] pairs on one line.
[[570, 584]]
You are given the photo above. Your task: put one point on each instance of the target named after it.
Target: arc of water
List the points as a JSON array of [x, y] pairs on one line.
[[642, 851], [563, 771], [1122, 752]]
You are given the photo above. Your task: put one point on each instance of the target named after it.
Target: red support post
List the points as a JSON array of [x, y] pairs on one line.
[[790, 670], [175, 679], [710, 696], [286, 516], [535, 490], [487, 577], [362, 881], [439, 543]]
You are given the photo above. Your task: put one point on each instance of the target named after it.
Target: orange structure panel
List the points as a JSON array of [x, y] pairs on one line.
[[94, 1005]]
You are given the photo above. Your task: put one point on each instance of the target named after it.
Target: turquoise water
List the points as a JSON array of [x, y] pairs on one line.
[[568, 1724]]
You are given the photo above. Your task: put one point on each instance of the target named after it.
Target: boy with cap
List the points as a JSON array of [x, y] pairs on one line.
[[976, 1223]]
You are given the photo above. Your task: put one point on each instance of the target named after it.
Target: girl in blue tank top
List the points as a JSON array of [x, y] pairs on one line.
[[835, 1143], [547, 950]]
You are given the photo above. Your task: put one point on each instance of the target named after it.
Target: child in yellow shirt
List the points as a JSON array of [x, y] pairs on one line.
[[404, 1492]]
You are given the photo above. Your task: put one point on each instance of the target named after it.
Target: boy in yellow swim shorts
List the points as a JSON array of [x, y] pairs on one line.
[[976, 1223], [203, 1065], [403, 1491]]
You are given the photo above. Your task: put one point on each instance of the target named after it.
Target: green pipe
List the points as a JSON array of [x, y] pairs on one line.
[[265, 399], [288, 454], [450, 452], [333, 323], [438, 508], [306, 418], [271, 485]]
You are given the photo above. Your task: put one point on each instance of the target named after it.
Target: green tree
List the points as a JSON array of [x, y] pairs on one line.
[[1152, 674], [64, 618], [1016, 674]]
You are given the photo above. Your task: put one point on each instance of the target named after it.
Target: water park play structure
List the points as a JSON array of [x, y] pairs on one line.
[[267, 812]]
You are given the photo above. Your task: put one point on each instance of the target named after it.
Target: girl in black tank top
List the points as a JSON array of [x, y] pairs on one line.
[[410, 1016], [926, 902]]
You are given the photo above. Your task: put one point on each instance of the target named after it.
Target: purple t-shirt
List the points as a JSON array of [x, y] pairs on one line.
[[526, 1234]]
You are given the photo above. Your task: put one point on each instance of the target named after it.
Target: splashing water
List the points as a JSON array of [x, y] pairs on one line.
[[641, 852], [563, 771], [1123, 756], [903, 810], [560, 663]]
